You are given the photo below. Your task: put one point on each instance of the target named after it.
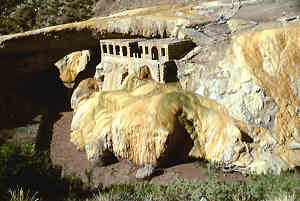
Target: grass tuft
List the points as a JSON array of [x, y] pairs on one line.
[[284, 196], [20, 195]]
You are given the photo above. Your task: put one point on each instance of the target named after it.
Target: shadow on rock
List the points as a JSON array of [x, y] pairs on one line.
[[37, 100], [90, 68]]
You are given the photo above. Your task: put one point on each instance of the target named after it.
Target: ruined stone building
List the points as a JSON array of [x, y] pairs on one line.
[[120, 57]]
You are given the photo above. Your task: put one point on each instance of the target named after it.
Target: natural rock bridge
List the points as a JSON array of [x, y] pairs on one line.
[[36, 50]]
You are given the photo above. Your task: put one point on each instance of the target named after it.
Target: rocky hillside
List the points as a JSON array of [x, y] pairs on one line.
[[19, 16], [108, 7]]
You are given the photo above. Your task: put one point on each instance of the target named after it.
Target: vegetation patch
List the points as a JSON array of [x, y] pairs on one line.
[[25, 172], [27, 175], [264, 187], [24, 15]]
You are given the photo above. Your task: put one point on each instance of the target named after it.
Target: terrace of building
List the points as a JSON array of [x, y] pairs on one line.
[[161, 50]]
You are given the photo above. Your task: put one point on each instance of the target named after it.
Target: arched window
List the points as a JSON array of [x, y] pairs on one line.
[[131, 51], [146, 50], [154, 53], [163, 52], [140, 52], [124, 50], [104, 48], [158, 72], [111, 49], [117, 50]]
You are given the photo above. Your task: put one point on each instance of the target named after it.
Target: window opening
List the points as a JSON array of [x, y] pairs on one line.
[[131, 52], [104, 47], [111, 49], [117, 50], [163, 52], [124, 50], [158, 73], [154, 53]]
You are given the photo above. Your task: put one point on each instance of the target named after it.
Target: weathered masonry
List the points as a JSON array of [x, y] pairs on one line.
[[126, 56]]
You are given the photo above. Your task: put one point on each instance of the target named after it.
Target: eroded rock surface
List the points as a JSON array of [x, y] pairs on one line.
[[70, 65], [255, 79], [147, 124], [152, 124]]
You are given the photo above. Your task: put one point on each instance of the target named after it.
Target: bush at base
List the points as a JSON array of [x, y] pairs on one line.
[[23, 169]]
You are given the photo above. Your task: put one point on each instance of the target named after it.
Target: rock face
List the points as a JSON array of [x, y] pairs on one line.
[[256, 80], [269, 61], [253, 123], [70, 65]]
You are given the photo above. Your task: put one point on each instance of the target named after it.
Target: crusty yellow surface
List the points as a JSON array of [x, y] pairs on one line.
[[272, 57], [143, 123]]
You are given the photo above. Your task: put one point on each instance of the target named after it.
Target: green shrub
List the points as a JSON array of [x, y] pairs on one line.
[[22, 166], [24, 15]]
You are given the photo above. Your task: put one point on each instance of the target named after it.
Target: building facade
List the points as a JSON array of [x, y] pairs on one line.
[[120, 57]]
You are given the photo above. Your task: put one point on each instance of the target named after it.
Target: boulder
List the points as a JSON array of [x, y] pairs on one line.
[[70, 65], [269, 60]]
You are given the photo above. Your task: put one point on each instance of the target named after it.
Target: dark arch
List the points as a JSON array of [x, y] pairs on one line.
[[117, 50], [124, 50], [154, 53], [170, 72]]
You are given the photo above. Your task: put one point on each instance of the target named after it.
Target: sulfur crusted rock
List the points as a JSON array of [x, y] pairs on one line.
[[257, 80], [153, 123], [270, 59]]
